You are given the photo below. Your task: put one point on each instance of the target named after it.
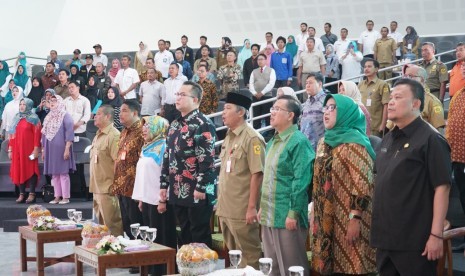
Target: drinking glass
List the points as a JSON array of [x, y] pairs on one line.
[[71, 213], [235, 257], [77, 216], [143, 232], [265, 265], [151, 234], [296, 271], [135, 230]]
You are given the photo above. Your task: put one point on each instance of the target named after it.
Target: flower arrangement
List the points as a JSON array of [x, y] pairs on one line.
[[109, 245], [92, 233], [45, 223], [34, 212]]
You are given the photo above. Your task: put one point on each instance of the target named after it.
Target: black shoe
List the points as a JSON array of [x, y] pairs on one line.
[[31, 198], [134, 270]]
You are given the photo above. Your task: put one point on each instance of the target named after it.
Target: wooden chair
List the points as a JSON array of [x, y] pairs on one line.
[[447, 255]]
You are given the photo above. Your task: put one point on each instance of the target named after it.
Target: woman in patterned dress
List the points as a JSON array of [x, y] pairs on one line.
[[342, 192]]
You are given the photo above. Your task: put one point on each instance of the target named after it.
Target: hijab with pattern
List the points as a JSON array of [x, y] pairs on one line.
[[54, 119], [30, 116], [157, 129], [350, 125]]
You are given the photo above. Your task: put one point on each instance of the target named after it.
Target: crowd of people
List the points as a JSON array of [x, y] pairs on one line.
[[152, 160]]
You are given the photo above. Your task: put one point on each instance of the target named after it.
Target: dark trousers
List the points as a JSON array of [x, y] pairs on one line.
[[130, 214], [280, 83], [195, 223], [171, 112], [166, 230], [261, 110], [459, 178], [404, 263], [332, 88], [31, 183]]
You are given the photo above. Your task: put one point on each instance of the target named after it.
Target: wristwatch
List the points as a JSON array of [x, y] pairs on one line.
[[354, 216]]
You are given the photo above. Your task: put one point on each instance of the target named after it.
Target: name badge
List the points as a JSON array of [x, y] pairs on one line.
[[76, 139], [368, 102], [95, 159], [228, 166], [102, 80], [284, 60], [123, 156]]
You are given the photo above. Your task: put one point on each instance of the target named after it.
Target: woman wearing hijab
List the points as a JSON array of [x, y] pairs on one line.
[[44, 107], [11, 109], [5, 78], [113, 98], [350, 89], [23, 150], [21, 60], [411, 41], [92, 92], [37, 92], [9, 92], [226, 46], [115, 66], [140, 59], [350, 61], [155, 212], [244, 53], [269, 50], [332, 68], [23, 80], [291, 48], [57, 152], [74, 76], [342, 192]]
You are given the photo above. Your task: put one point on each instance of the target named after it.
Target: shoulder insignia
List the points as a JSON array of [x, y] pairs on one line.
[[257, 149], [443, 70], [437, 109], [386, 89]]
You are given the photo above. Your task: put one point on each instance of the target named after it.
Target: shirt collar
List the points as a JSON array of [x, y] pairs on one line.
[[188, 115], [106, 129], [287, 133], [238, 129], [372, 81], [135, 125], [409, 130]]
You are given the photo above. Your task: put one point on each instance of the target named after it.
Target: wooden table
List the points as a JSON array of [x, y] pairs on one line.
[[41, 238], [157, 254]]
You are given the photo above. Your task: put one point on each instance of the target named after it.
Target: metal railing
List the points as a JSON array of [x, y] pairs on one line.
[[29, 61], [251, 118]]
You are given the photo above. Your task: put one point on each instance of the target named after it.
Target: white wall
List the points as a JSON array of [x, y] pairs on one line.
[[36, 26]]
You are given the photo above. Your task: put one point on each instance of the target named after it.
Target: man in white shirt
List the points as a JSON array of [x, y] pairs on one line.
[[99, 57], [303, 35], [262, 81], [172, 85], [269, 41], [367, 40], [163, 59], [318, 42], [398, 37], [78, 107], [150, 93], [127, 79], [341, 45]]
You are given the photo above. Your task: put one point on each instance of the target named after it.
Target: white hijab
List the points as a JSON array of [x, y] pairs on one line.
[[351, 90], [11, 109], [143, 54]]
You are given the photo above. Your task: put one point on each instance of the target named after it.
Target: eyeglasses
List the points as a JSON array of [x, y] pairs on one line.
[[182, 95], [329, 108], [277, 109], [410, 76]]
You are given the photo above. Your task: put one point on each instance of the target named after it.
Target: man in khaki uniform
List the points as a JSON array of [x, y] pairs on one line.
[[433, 111], [385, 53], [310, 61], [102, 160], [375, 96], [242, 158], [437, 71]]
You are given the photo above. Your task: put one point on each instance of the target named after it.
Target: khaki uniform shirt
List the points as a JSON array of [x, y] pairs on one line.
[[433, 112], [375, 94], [311, 61], [437, 74], [103, 154], [385, 49], [244, 148]]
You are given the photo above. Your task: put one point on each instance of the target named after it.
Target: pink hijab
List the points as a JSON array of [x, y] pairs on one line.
[[54, 119], [268, 57], [114, 71]]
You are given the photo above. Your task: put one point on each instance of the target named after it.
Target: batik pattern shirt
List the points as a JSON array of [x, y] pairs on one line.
[[229, 76], [311, 122], [188, 163], [209, 102]]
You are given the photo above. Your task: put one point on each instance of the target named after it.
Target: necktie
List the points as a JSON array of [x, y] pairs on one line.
[[261, 69]]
